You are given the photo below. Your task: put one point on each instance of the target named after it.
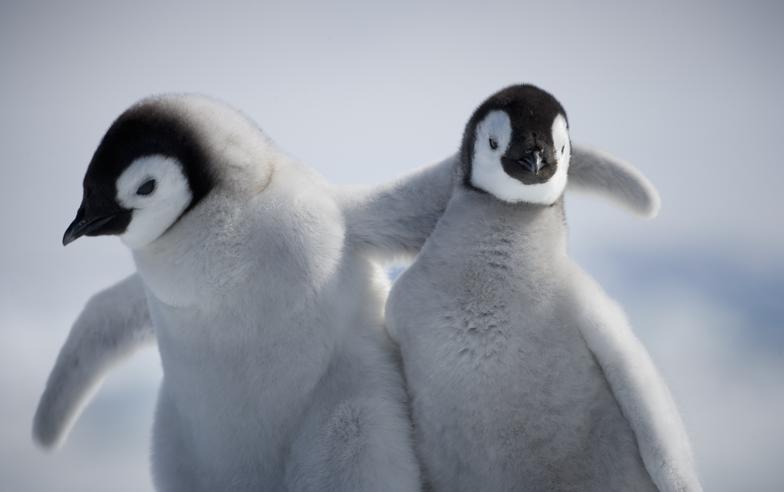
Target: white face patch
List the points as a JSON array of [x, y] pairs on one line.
[[563, 150], [155, 205], [487, 172]]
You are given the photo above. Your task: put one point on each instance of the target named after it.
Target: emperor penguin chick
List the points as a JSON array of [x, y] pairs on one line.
[[273, 379], [522, 373]]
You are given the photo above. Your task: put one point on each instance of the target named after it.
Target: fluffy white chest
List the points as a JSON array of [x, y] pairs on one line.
[[247, 322], [505, 392], [231, 395]]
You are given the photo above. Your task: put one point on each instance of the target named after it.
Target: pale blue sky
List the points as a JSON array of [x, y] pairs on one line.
[[689, 92]]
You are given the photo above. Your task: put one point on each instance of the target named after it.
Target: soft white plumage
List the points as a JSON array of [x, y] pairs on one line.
[[277, 372]]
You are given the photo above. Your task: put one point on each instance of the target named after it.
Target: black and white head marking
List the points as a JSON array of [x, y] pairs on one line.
[[516, 146], [148, 170]]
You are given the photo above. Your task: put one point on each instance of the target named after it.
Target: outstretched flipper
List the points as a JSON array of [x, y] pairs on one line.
[[396, 218], [642, 395], [114, 324], [598, 172]]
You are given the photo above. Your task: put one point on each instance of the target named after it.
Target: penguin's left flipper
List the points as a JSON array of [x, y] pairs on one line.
[[396, 218], [114, 324], [598, 172], [642, 395]]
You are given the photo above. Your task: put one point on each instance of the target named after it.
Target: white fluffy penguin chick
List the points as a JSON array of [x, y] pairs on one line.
[[274, 378], [522, 373]]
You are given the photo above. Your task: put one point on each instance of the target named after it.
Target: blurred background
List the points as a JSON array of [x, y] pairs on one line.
[[690, 92]]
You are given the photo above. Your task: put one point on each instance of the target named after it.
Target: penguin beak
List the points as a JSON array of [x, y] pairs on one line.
[[88, 224], [532, 161]]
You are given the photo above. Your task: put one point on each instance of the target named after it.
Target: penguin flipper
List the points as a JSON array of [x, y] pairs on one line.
[[596, 171], [395, 219], [643, 397], [114, 324]]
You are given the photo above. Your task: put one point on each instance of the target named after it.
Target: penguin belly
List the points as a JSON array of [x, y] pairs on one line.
[[505, 396], [222, 423]]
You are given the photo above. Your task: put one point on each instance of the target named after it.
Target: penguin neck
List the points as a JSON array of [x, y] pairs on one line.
[[536, 233], [194, 257]]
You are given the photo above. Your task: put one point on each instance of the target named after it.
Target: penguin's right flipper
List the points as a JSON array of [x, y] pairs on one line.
[[598, 172], [114, 324], [639, 390]]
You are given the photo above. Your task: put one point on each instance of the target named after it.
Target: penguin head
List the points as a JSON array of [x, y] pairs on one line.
[[516, 146], [149, 169]]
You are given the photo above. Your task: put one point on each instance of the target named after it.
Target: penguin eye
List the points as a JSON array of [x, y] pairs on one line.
[[493, 143], [146, 188]]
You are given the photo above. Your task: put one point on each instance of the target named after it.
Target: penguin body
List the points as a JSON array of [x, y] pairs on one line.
[[285, 384], [500, 403], [250, 364], [522, 374]]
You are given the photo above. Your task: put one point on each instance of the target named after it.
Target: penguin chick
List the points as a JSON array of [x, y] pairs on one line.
[[273, 377], [522, 373]]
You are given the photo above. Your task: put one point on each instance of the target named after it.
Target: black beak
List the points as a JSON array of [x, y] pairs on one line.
[[532, 161], [85, 224]]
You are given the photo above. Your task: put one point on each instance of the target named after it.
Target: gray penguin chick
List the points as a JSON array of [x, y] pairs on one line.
[[522, 374]]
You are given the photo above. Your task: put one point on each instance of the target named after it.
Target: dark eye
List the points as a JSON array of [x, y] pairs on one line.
[[493, 143], [562, 148], [146, 188]]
